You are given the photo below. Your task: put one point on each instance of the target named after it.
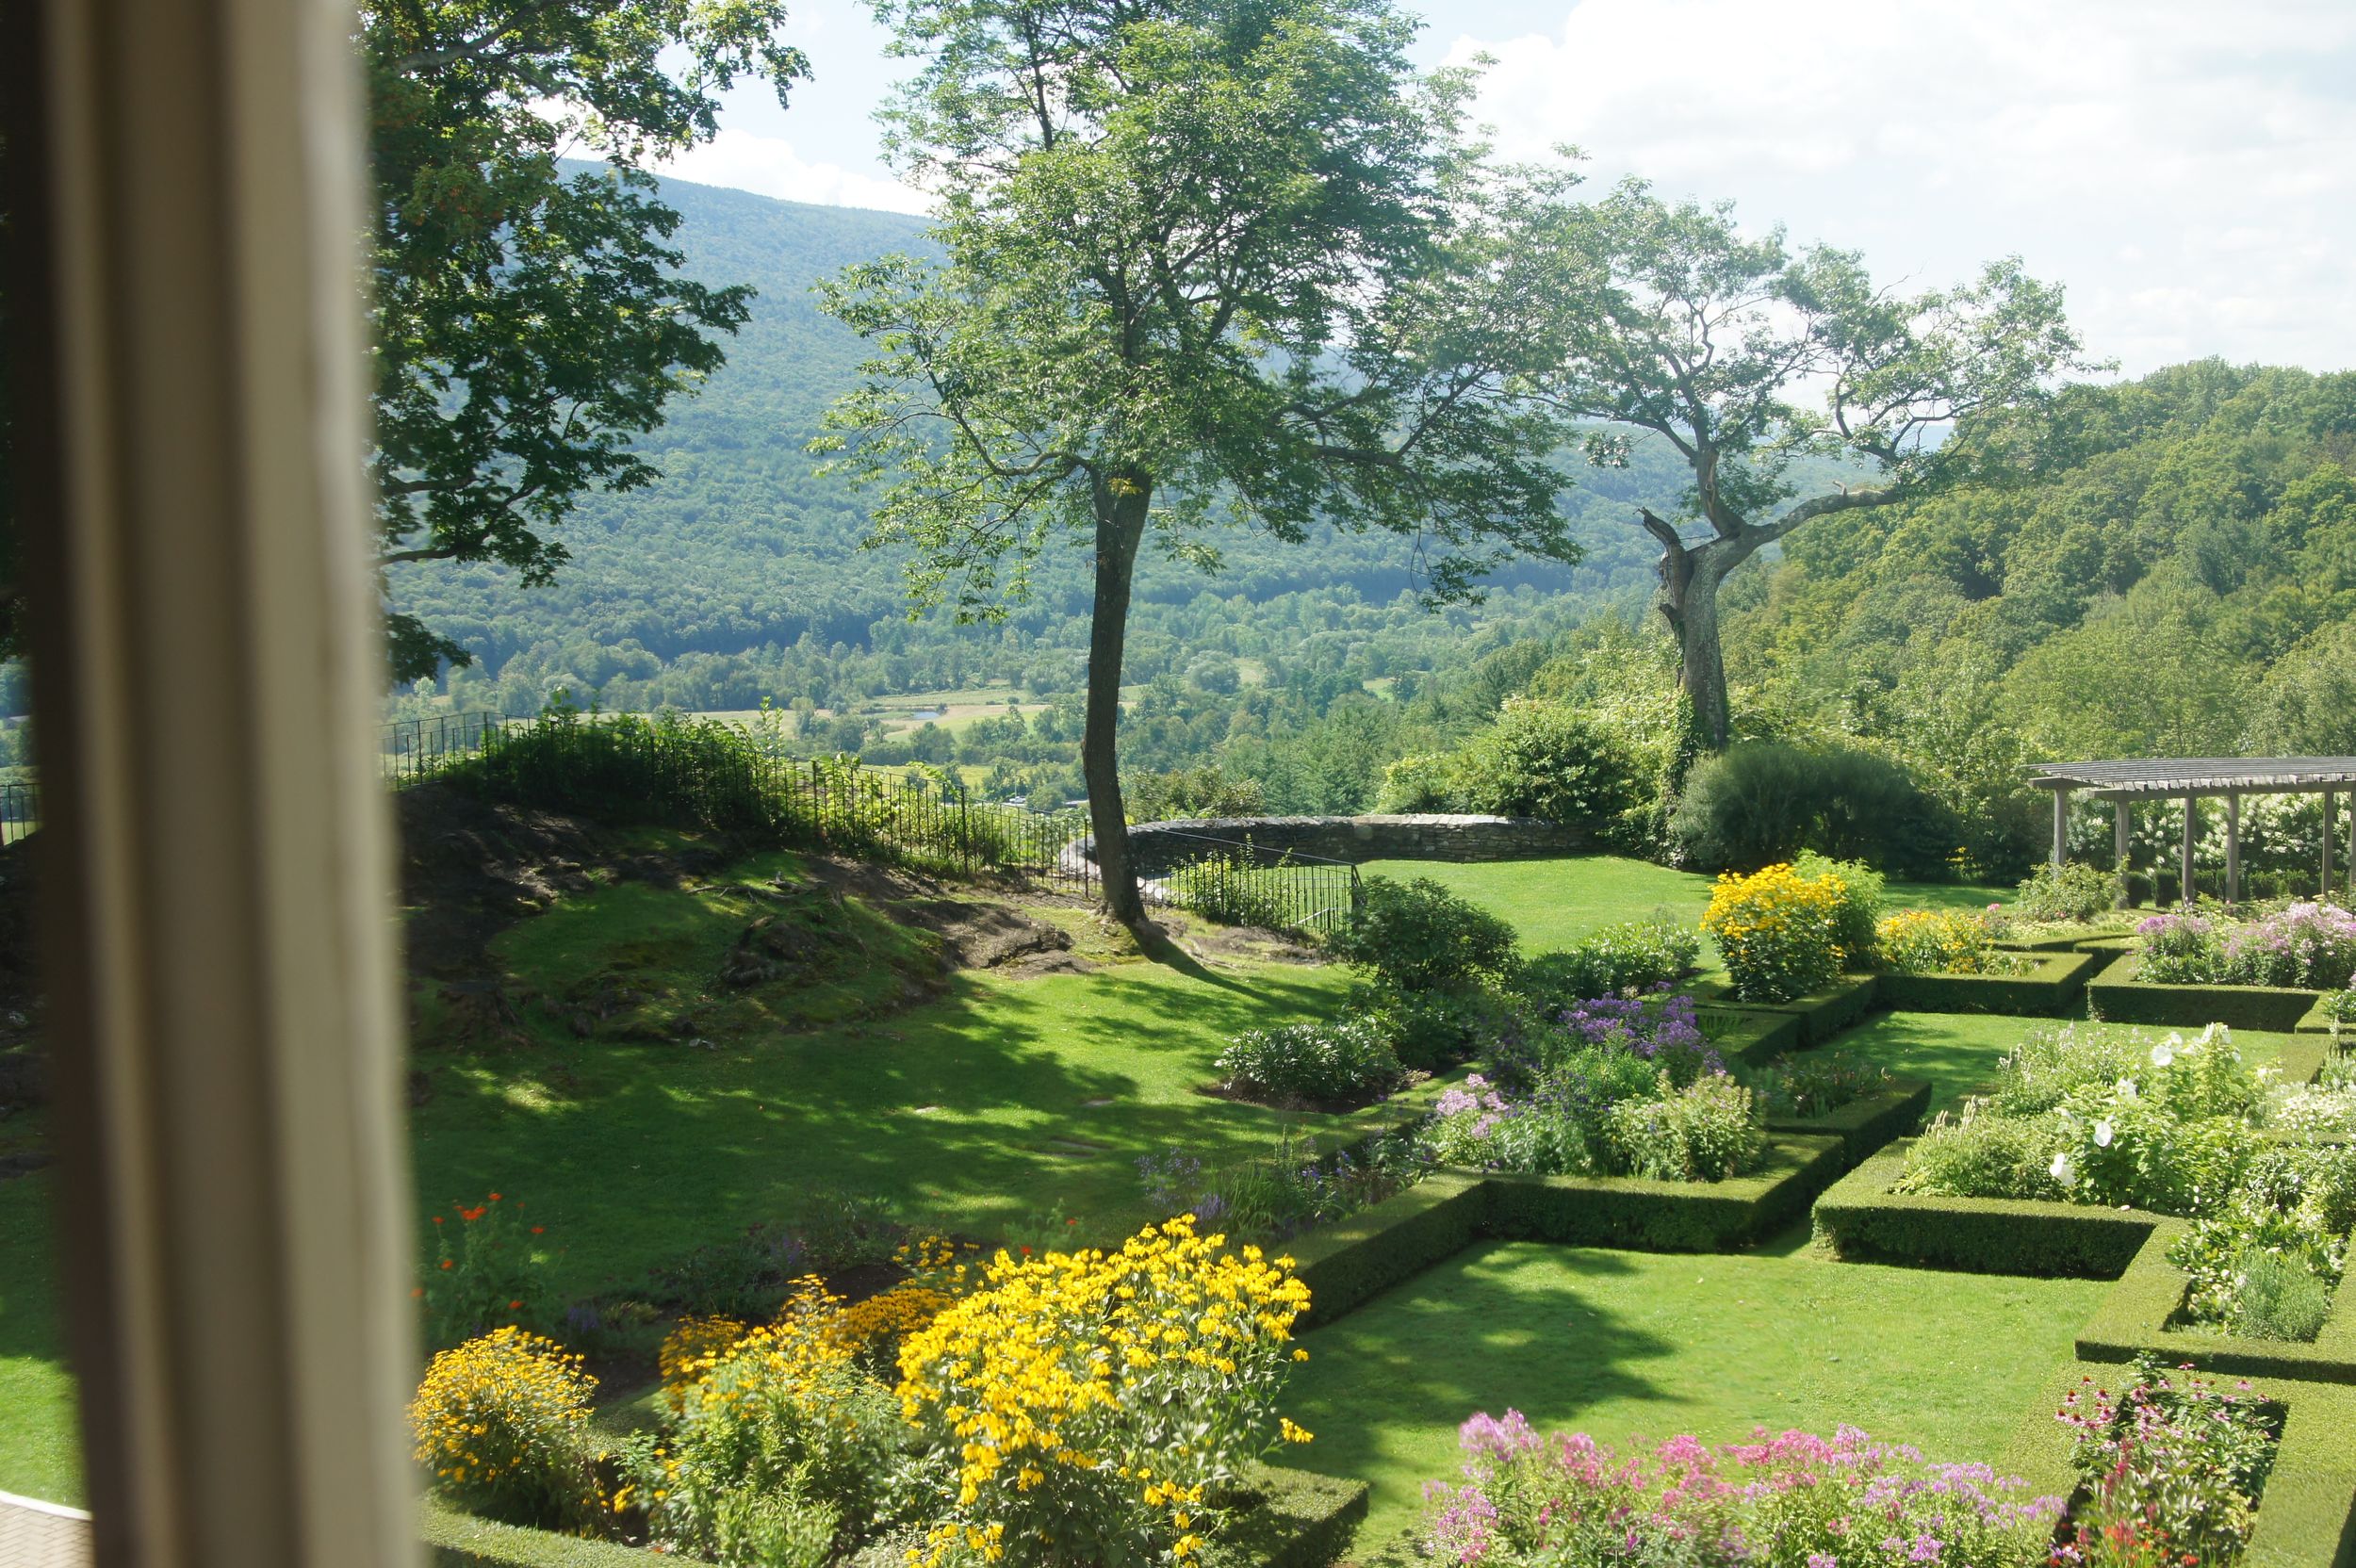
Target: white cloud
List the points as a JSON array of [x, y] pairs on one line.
[[769, 166], [2208, 152]]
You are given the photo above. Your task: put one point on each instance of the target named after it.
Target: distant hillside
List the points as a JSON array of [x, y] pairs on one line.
[[697, 590]]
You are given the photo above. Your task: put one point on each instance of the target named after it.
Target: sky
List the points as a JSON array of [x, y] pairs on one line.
[[2187, 168]]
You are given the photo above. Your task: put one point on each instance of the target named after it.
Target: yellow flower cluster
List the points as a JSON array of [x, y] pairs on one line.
[[1942, 942], [502, 1423], [1777, 931], [691, 1350], [1093, 1401]]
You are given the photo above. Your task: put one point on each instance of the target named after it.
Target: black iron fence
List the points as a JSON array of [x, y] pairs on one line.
[[708, 773], [1237, 882], [419, 748], [20, 810]]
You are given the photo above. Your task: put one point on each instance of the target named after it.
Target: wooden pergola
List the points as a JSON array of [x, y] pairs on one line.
[[2189, 778]]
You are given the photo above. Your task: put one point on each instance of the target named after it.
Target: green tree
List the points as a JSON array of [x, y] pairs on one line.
[[529, 324], [1206, 261], [1748, 358]]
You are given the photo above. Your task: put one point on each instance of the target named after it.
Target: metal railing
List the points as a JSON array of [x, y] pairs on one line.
[[1237, 882], [20, 810], [419, 748]]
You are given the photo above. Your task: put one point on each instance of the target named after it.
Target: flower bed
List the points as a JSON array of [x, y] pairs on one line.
[[1863, 1217], [1345, 1263], [1822, 1014], [2145, 1314], [1867, 1123], [2046, 984], [1785, 1497], [2305, 1512], [2122, 994]]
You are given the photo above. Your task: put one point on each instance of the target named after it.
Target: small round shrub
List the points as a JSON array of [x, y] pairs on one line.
[[1432, 1030], [1764, 802], [1612, 960], [1335, 1059], [1418, 937], [2074, 892], [1778, 932], [502, 1426], [1547, 761]]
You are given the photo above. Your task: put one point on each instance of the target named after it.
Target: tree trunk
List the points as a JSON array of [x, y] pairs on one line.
[[1120, 503], [1690, 576]]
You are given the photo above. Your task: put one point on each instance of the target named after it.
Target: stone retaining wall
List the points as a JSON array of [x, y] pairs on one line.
[[1161, 847]]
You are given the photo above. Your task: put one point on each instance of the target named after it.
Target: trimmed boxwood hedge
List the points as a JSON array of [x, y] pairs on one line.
[[1821, 1016], [2119, 996], [1865, 1124], [2306, 1514], [1750, 1037], [1667, 1216], [1862, 1219], [2137, 1316], [1343, 1264], [2051, 988], [1303, 1521]]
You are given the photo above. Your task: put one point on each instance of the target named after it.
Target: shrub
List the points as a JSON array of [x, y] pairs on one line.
[[1418, 937], [2276, 1297], [1860, 911], [1079, 1465], [1943, 942], [2072, 893], [1545, 760], [1330, 1060], [502, 1426], [1778, 932], [484, 1274], [2265, 1263], [1705, 1131], [778, 1440], [1432, 1030], [1612, 960], [1982, 1154], [2173, 1466], [1787, 1499], [1764, 802], [1661, 1029]]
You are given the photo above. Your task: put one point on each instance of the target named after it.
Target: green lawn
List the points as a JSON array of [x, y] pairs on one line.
[[1628, 1344], [1958, 1052], [38, 1452], [1555, 902]]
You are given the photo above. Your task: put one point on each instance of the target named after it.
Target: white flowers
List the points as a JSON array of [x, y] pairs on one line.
[[2164, 1053], [2063, 1170], [2126, 1089], [2103, 1133]]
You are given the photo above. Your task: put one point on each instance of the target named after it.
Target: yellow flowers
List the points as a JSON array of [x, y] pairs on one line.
[[1777, 931], [1946, 941], [1015, 1385], [502, 1423]]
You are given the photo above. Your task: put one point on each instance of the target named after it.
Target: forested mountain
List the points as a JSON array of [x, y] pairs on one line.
[[739, 574], [2179, 580]]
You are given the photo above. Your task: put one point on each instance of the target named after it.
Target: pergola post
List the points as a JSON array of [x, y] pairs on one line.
[[2061, 826], [2122, 846], [2323, 881], [2232, 848], [2184, 891]]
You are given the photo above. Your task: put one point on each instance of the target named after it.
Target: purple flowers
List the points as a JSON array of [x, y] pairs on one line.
[[1792, 1496], [2312, 946]]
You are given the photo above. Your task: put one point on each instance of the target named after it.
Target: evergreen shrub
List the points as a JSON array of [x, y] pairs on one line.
[[1764, 802]]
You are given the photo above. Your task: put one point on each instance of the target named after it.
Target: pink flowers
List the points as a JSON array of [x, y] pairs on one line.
[[1845, 1501]]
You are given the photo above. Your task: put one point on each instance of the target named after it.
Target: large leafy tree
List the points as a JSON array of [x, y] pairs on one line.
[[1748, 357], [1205, 262], [529, 324]]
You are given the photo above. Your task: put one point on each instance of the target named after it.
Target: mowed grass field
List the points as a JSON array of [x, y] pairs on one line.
[[1646, 1345]]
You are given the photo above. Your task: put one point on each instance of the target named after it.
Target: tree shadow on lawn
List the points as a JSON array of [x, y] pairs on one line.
[[1003, 1100], [1957, 1052], [1467, 1335]]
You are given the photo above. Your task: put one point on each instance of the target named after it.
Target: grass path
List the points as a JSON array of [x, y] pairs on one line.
[[1636, 1344], [40, 1454]]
